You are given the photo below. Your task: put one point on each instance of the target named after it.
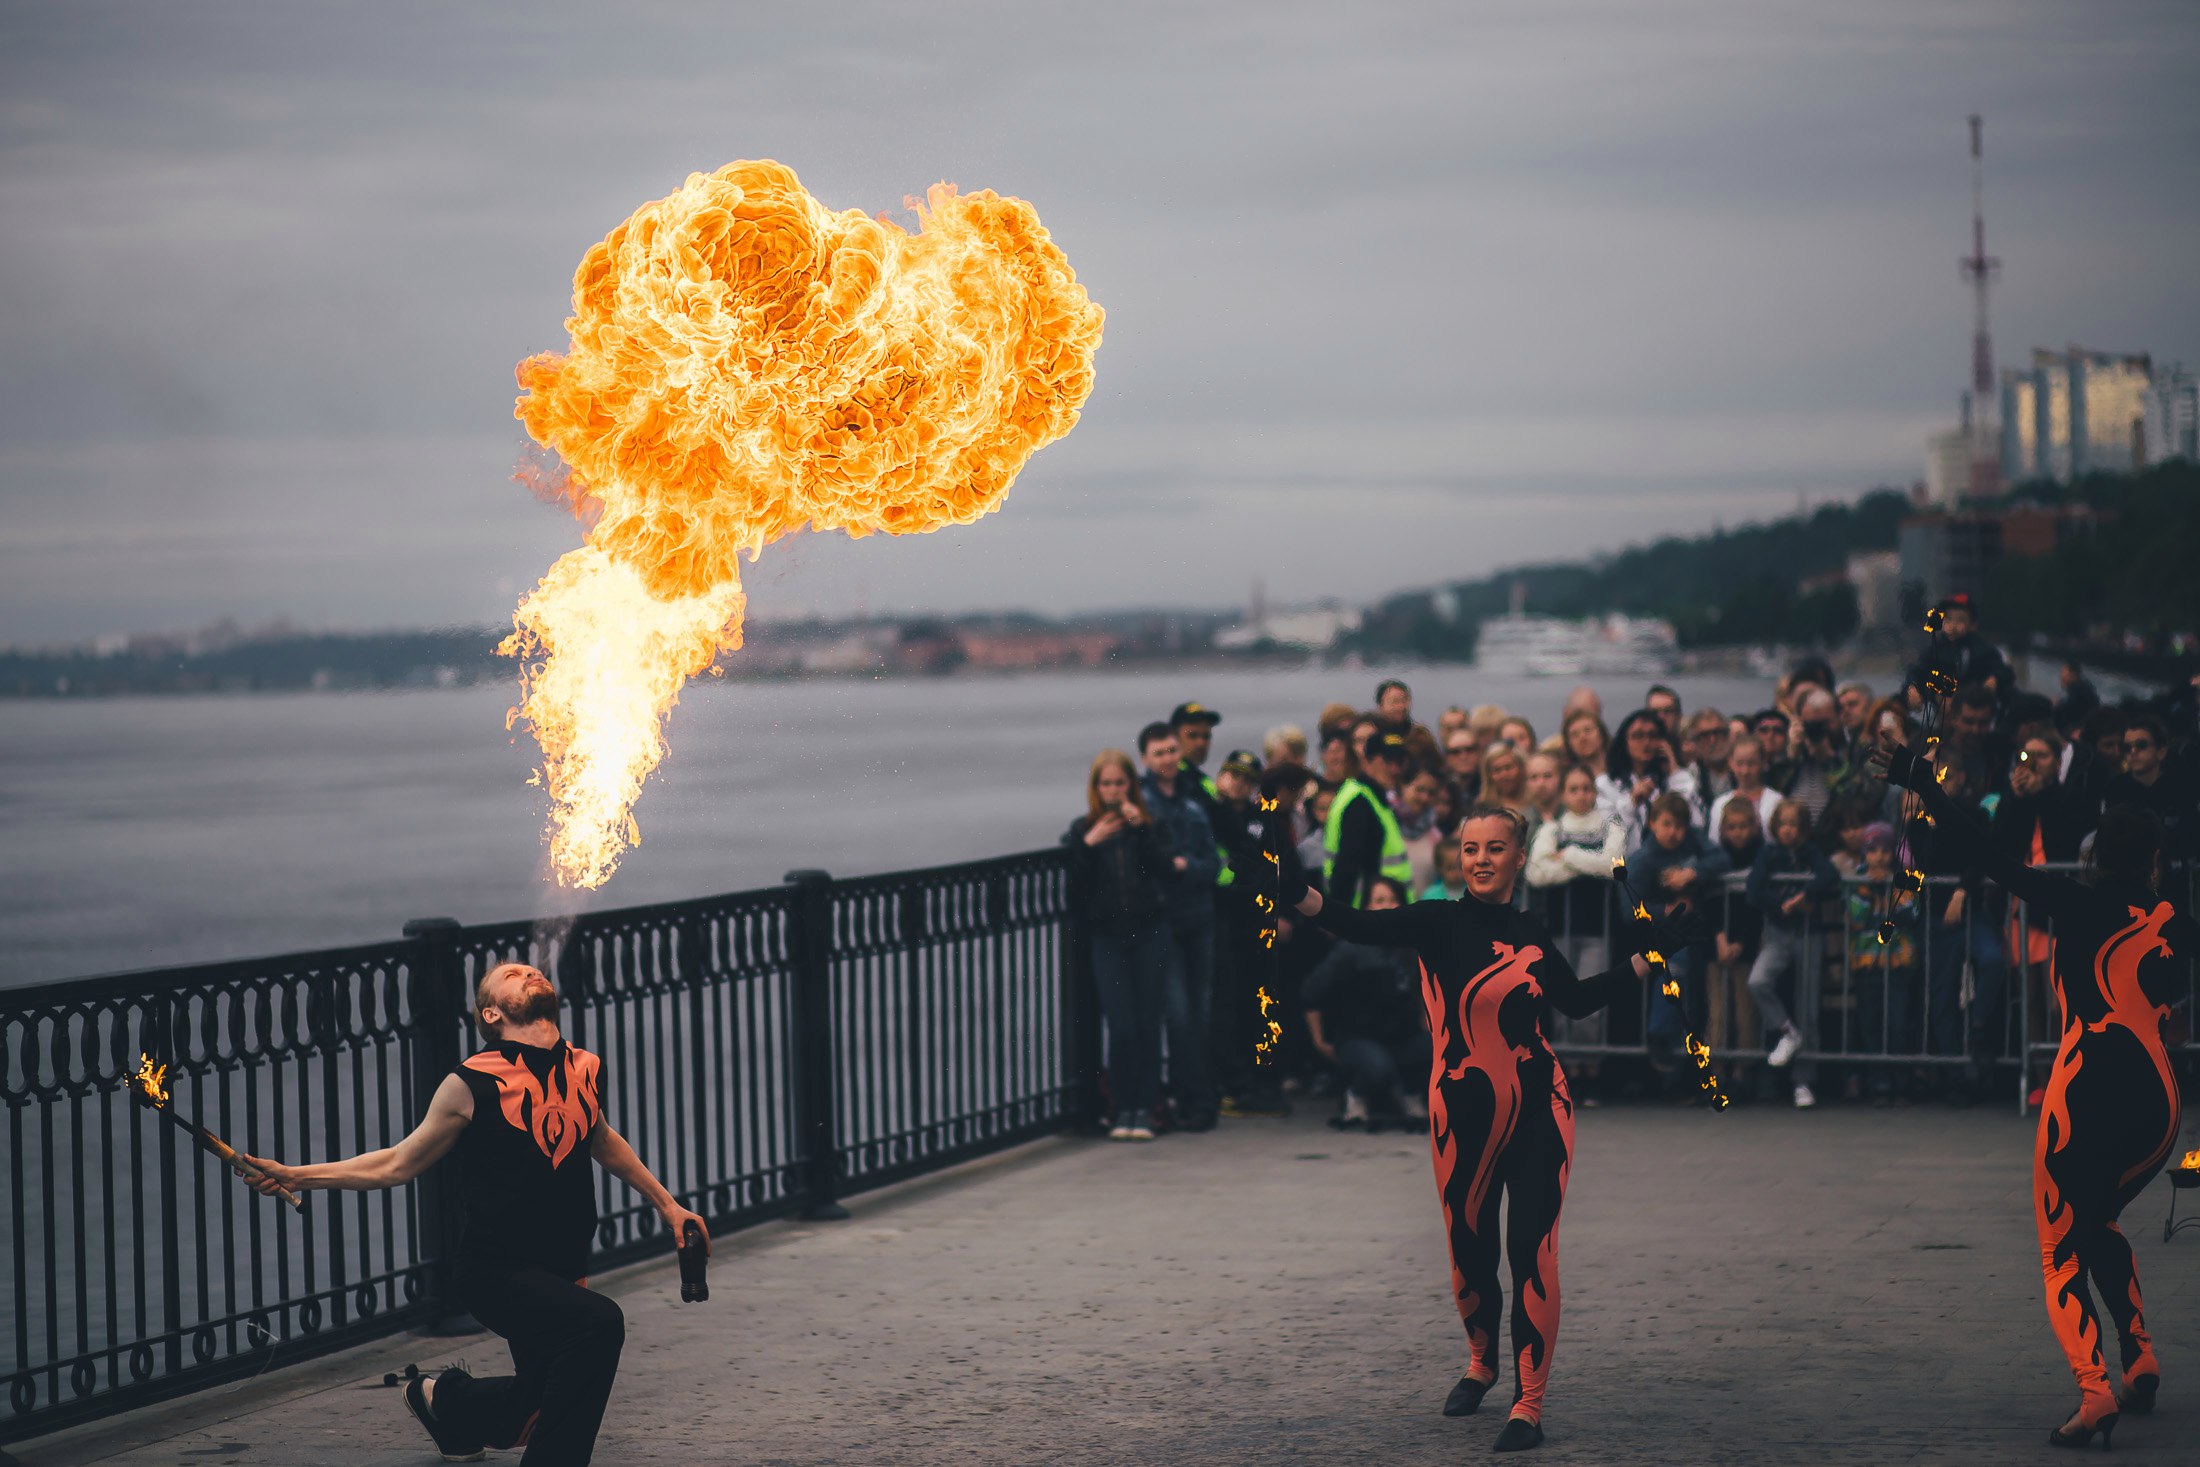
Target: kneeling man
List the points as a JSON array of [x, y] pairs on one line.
[[526, 1117]]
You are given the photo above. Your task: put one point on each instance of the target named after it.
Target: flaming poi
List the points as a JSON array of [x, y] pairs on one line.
[[744, 363]]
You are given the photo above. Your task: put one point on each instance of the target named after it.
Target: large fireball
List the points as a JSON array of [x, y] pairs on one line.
[[745, 362]]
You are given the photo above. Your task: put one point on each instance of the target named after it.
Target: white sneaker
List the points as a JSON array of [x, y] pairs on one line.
[[1139, 1133], [1790, 1041], [1355, 1109], [1120, 1133], [1804, 1100]]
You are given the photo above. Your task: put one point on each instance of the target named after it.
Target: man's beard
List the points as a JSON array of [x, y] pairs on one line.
[[539, 1003]]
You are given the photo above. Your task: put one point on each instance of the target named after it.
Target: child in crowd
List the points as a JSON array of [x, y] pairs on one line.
[[1450, 885], [1883, 969], [1669, 870], [1570, 865], [1314, 822], [1545, 771], [1740, 929], [1570, 862], [1745, 763], [1789, 944]]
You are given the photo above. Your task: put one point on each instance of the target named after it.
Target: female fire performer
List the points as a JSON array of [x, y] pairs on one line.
[[2111, 1112], [1500, 1117]]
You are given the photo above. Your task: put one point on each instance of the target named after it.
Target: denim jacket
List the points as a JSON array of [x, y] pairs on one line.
[[1186, 831]]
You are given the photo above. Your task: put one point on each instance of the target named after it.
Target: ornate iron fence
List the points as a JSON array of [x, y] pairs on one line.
[[766, 1052]]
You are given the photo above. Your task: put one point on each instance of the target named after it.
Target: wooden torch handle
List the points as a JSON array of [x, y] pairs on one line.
[[244, 1163]]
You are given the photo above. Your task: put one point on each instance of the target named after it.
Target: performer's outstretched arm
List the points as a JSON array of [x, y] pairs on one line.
[[615, 1156], [449, 1112], [2053, 895], [1390, 927], [1577, 997]]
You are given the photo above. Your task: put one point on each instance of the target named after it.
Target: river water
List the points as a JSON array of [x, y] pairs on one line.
[[142, 832]]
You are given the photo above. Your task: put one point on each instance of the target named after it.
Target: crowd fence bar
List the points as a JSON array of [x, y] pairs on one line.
[[839, 1036], [1861, 995]]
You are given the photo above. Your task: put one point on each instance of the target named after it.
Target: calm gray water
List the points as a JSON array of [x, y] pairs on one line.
[[149, 831]]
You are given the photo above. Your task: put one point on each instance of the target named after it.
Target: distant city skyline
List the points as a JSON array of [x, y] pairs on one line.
[[1395, 295]]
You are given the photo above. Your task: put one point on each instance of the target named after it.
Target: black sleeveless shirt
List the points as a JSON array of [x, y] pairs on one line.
[[524, 1160]]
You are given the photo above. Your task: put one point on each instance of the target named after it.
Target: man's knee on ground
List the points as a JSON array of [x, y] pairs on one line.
[[601, 1322]]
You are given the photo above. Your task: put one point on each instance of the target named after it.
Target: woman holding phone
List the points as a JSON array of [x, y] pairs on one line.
[[1122, 866]]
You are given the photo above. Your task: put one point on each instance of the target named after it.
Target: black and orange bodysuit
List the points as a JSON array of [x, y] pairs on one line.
[[2111, 1111], [1500, 1118]]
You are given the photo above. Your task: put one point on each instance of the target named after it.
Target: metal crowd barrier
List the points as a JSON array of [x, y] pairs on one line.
[[1860, 1012], [766, 1052]]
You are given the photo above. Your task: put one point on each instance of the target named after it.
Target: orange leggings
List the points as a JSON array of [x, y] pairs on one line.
[[1520, 1145], [2107, 1124]]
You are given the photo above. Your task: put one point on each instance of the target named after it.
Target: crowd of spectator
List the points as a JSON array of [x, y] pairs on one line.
[[1817, 954]]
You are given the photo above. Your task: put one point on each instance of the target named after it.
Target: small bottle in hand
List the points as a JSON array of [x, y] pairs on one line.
[[694, 1258]]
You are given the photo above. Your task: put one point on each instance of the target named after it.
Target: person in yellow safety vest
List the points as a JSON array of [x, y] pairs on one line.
[[1362, 840]]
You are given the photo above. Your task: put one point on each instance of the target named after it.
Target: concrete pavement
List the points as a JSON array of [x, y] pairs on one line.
[[1848, 1285]]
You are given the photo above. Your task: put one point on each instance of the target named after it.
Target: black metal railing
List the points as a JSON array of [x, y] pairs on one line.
[[766, 1052]]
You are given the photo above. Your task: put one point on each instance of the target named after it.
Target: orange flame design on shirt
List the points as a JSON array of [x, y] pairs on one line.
[[746, 362], [557, 1113]]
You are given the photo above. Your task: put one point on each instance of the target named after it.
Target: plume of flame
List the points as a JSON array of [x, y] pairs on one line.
[[744, 363], [2191, 1163]]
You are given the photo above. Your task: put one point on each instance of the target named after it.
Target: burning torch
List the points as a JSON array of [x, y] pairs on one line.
[[150, 1085]]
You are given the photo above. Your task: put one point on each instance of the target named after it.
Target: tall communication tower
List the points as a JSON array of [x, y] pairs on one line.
[[1980, 268]]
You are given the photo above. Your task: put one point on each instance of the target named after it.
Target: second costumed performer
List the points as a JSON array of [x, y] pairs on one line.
[[525, 1116], [1501, 1123], [2112, 1109]]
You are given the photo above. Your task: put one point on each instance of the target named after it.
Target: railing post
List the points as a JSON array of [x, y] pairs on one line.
[[172, 1043], [815, 1111], [439, 1011]]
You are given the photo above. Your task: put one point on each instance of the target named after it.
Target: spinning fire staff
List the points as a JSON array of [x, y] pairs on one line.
[[525, 1117], [150, 1085], [1935, 684], [1649, 943]]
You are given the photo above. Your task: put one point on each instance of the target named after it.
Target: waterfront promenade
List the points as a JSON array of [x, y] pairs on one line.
[[1852, 1285]]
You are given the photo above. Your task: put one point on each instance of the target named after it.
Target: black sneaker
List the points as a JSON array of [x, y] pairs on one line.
[[455, 1448]]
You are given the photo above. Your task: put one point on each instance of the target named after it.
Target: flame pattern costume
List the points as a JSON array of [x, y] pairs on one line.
[[1501, 1122], [2111, 1111], [524, 1162]]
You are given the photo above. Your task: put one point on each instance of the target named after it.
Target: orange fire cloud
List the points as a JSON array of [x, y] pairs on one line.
[[744, 363]]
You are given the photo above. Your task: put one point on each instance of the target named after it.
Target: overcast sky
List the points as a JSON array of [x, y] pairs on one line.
[[1394, 293]]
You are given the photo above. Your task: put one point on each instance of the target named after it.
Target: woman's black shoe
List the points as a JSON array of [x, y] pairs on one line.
[[2139, 1394], [2063, 1436], [1519, 1435], [1466, 1397]]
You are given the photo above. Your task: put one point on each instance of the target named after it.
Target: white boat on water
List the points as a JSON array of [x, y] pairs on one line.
[[1597, 646]]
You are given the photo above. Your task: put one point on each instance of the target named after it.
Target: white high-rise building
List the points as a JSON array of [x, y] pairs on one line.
[[2169, 419]]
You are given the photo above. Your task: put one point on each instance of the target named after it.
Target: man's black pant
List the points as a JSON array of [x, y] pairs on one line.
[[565, 1347]]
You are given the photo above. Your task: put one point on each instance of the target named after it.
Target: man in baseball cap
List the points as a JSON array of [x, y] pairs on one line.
[[1362, 840], [1194, 727]]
